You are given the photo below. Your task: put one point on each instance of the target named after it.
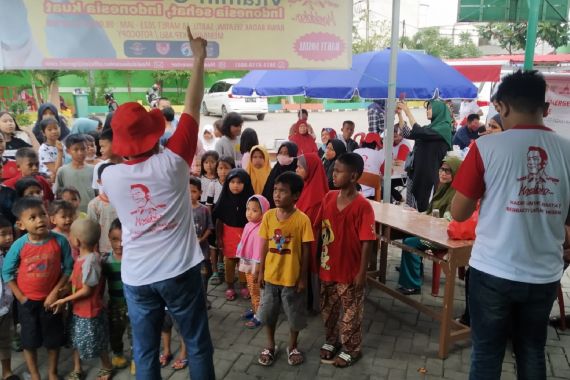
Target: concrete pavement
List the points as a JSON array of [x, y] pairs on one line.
[[399, 343]]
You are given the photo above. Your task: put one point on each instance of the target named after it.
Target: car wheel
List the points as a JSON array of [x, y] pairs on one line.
[[260, 116], [224, 111], [205, 109]]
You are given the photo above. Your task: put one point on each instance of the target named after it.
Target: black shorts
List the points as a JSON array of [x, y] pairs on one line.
[[40, 327]]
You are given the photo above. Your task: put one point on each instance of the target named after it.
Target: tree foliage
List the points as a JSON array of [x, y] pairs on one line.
[[433, 43], [512, 36], [378, 34]]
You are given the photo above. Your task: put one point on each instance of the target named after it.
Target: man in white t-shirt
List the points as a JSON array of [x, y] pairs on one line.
[[522, 178], [469, 107], [373, 157], [161, 255]]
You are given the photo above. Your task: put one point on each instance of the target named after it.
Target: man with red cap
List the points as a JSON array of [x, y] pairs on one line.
[[161, 255]]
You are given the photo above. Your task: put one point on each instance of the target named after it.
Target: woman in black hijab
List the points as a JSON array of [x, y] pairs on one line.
[[286, 162], [333, 149]]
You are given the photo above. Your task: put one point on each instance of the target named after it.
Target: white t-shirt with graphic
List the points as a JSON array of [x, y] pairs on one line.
[[153, 203], [47, 154], [522, 177], [373, 160]]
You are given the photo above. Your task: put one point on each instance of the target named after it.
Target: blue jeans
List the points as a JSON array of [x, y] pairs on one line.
[[501, 309], [185, 299]]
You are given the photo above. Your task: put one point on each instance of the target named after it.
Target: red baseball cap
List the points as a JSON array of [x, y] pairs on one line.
[[136, 130], [373, 137]]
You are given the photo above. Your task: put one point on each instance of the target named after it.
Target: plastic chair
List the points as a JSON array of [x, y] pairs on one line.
[[373, 181]]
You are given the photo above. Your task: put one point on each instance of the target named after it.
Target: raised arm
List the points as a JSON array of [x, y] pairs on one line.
[[195, 90]]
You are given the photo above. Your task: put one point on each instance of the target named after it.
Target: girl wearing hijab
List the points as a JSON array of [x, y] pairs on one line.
[[310, 168], [208, 138], [249, 254], [49, 110], [286, 162], [432, 143], [410, 281], [258, 168], [305, 142], [230, 217], [334, 149]]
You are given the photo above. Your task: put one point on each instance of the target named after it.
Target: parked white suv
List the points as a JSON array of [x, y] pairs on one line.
[[219, 100]]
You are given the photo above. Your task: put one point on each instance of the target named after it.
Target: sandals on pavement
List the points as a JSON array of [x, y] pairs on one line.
[[164, 360], [346, 360], [267, 356], [179, 364], [248, 314], [215, 279], [253, 323], [74, 375], [294, 356], [244, 293], [231, 295], [105, 374], [328, 353]]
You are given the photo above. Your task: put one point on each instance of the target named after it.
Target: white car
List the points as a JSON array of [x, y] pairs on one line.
[[219, 100]]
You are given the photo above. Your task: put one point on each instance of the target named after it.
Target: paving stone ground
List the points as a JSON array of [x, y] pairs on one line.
[[398, 343]]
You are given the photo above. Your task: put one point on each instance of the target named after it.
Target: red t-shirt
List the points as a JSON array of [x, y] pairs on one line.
[[9, 170], [342, 233], [87, 270], [46, 187]]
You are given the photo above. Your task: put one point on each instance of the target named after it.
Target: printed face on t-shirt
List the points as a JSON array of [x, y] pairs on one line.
[[257, 159], [236, 186], [533, 162], [253, 211]]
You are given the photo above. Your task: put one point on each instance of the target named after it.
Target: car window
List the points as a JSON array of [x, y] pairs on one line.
[[217, 87], [227, 86]]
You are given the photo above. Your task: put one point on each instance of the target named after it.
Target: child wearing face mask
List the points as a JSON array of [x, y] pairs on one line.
[[230, 217], [286, 162], [248, 252]]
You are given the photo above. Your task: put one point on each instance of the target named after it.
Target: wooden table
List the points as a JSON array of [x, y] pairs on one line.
[[393, 221]]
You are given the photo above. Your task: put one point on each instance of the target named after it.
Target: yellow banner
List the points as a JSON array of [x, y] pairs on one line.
[[150, 34]]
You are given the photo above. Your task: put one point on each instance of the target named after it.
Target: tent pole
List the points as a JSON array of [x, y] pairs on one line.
[[391, 103], [533, 10]]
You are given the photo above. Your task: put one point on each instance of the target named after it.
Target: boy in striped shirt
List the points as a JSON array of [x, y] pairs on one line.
[[118, 316]]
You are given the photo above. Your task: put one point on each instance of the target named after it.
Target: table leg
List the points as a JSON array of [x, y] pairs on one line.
[[386, 231], [450, 270]]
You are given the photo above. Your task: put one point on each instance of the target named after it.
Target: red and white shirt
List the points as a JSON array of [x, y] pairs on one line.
[[522, 177], [152, 201]]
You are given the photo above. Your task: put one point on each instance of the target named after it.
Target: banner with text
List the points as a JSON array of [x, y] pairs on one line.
[[558, 95], [151, 34]]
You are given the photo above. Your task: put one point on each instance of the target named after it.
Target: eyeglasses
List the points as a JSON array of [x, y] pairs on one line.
[[445, 170]]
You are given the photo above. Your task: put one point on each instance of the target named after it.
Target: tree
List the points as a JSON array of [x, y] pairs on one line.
[[49, 79], [433, 43], [512, 36], [378, 34]]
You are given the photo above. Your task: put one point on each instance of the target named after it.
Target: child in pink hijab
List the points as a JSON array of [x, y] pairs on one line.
[[248, 252]]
